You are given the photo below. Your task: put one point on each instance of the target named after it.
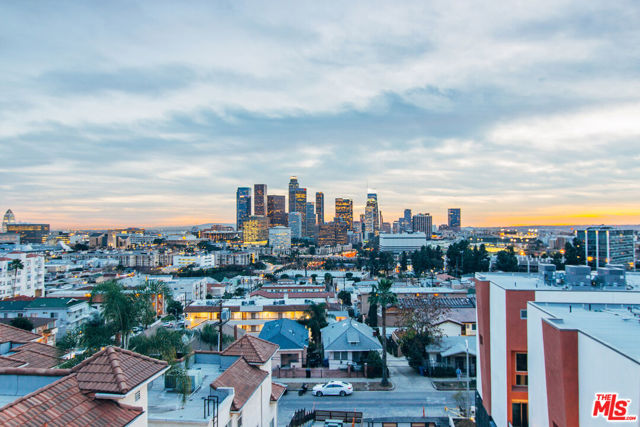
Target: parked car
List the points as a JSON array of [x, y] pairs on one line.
[[168, 324], [333, 388]]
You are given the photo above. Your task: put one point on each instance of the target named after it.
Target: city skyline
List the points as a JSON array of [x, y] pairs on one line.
[[519, 116]]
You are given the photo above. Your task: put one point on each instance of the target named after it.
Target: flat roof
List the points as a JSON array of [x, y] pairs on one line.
[[167, 405], [614, 325], [533, 281]]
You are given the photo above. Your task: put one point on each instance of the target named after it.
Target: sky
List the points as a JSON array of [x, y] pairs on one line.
[[153, 113]]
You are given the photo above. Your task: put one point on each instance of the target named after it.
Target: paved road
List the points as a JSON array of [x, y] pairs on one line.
[[371, 403]]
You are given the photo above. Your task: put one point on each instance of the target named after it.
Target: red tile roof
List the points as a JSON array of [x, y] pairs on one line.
[[253, 349], [36, 355], [9, 333], [244, 379], [277, 390], [6, 362], [63, 403], [115, 370]]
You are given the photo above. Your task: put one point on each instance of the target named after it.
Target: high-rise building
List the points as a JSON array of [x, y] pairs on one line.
[[259, 196], [9, 218], [404, 223], [276, 210], [255, 230], [243, 206], [30, 233], [320, 207], [295, 224], [607, 245], [310, 221], [332, 233], [423, 223], [344, 211], [293, 186], [371, 218], [301, 206], [455, 221], [280, 238]]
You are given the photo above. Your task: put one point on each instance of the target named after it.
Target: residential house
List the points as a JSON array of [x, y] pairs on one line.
[[348, 343], [44, 326], [450, 353], [292, 339], [107, 389]]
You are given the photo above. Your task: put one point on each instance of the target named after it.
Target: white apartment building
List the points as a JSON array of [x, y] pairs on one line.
[[28, 281], [198, 261]]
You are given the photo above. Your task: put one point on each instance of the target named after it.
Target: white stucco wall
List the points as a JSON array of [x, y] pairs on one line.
[[538, 413], [498, 331], [604, 370]]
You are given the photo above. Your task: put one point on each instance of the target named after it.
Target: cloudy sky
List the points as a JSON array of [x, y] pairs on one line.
[[152, 113]]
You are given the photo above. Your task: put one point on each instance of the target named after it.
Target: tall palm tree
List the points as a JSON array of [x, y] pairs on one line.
[[15, 265], [119, 307], [383, 296]]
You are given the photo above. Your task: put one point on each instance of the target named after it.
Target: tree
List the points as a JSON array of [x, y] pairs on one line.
[[315, 319], [80, 247], [345, 297], [374, 365], [403, 261], [69, 341], [22, 323], [372, 315], [506, 260], [119, 308], [15, 265], [174, 307], [328, 281], [421, 327], [208, 335], [383, 296], [164, 344], [96, 333]]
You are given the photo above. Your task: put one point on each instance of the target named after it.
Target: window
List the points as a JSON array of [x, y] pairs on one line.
[[522, 377], [137, 395], [473, 326], [481, 341], [519, 414], [523, 314]]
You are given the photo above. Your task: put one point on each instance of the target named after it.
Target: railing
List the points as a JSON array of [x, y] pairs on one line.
[[316, 373], [302, 416]]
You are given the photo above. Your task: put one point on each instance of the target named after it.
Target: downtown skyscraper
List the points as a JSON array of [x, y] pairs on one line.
[[371, 217], [276, 210], [320, 207], [243, 206], [293, 187], [344, 212], [259, 199]]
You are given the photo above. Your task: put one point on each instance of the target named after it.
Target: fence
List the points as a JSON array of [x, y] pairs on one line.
[[316, 373], [301, 416]]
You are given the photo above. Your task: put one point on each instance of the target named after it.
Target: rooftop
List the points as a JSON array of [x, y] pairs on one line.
[[63, 403], [533, 281], [9, 333], [616, 326], [286, 333], [244, 378], [115, 370], [253, 349], [349, 335]]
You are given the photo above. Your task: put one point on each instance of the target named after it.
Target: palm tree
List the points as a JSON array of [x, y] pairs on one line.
[[208, 335], [383, 296], [15, 265], [119, 307], [315, 319], [156, 288]]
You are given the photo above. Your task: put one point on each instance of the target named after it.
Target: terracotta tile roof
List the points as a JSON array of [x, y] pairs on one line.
[[6, 362], [277, 390], [62, 403], [9, 333], [253, 349], [244, 379], [36, 355], [115, 370]]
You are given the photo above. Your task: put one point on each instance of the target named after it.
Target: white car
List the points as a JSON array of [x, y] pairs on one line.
[[333, 388]]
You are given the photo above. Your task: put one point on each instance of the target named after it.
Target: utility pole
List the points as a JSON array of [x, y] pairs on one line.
[[466, 342]]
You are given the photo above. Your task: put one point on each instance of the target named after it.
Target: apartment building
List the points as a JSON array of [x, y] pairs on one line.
[[27, 281], [511, 342]]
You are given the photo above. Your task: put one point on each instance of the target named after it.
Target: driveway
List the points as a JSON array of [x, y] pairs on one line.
[[404, 377]]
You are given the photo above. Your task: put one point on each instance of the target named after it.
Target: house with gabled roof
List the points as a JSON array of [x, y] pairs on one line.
[[230, 388], [348, 343], [292, 339], [107, 389]]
